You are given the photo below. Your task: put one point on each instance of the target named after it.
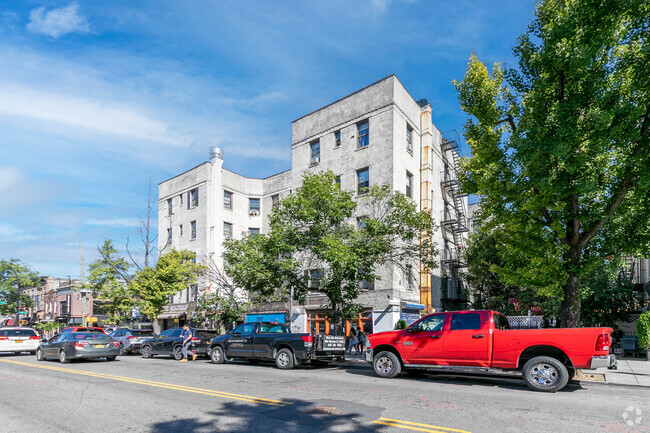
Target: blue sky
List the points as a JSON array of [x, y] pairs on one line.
[[97, 99]]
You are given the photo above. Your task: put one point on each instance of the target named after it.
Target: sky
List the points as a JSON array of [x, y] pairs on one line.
[[101, 99]]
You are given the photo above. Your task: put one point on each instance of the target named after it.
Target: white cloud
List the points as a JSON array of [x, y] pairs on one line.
[[57, 22], [122, 222], [10, 177], [96, 115], [10, 233]]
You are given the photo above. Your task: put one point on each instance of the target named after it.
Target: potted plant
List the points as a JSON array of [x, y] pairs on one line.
[[643, 332]]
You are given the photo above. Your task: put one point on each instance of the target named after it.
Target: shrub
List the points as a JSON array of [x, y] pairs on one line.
[[643, 329], [401, 324]]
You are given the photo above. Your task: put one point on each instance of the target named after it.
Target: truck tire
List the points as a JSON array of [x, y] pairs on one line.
[[386, 364], [545, 374], [146, 351], [284, 359], [216, 355]]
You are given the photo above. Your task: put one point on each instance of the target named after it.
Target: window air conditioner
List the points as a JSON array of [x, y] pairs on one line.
[[315, 160], [254, 212], [227, 237]]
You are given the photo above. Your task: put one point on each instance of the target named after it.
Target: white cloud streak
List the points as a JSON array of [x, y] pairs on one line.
[[121, 222], [57, 22]]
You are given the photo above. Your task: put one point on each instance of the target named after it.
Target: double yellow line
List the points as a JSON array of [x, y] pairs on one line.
[[417, 426], [156, 384]]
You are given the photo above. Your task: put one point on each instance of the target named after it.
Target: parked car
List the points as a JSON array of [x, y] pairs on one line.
[[131, 339], [76, 345], [169, 343], [483, 341], [84, 329], [274, 342], [18, 340]]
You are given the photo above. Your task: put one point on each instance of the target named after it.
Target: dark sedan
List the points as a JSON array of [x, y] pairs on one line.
[[169, 343], [76, 345]]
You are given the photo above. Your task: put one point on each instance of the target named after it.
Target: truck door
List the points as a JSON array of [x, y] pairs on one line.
[[422, 342], [239, 343], [266, 337], [467, 341]]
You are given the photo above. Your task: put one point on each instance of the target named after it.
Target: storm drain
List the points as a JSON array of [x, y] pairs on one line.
[[326, 410]]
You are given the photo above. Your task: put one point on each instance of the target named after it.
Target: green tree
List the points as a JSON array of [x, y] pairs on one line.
[[108, 279], [560, 145], [222, 309], [174, 271], [14, 276], [314, 244]]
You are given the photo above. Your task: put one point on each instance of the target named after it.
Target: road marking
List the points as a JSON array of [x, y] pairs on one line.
[[417, 426], [155, 384]]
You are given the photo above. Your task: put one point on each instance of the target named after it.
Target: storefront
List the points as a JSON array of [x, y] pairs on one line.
[[174, 316], [411, 312], [319, 323]]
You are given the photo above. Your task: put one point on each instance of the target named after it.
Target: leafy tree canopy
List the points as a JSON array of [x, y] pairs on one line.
[[14, 275], [108, 279], [560, 145], [316, 244]]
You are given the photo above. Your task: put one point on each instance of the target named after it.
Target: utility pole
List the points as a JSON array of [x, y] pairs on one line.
[[17, 323]]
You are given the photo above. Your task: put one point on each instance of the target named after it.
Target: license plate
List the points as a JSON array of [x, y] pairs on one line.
[[19, 341], [99, 345]]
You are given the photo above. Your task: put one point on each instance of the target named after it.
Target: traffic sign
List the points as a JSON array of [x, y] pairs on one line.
[[135, 312], [3, 302]]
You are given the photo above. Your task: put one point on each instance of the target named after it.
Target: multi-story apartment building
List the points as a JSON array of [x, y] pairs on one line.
[[61, 300], [376, 135]]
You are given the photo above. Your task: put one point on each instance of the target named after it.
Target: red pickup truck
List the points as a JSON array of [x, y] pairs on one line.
[[483, 341]]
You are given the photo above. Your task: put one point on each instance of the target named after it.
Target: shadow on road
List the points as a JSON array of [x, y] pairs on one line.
[[296, 417]]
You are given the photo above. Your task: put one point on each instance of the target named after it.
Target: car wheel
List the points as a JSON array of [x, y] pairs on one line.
[[63, 358], [39, 355], [111, 358], [146, 352], [178, 354], [571, 372], [216, 356], [284, 359], [545, 374], [122, 350], [387, 365], [17, 353]]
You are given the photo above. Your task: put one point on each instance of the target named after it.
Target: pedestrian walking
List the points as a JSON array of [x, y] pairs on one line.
[[186, 335], [362, 340], [353, 342]]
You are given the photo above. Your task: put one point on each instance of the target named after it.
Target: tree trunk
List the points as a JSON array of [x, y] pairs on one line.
[[337, 317], [571, 302]]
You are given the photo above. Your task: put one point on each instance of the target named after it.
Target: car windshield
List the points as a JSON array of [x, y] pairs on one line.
[[17, 332], [137, 333], [274, 328], [205, 334], [90, 336]]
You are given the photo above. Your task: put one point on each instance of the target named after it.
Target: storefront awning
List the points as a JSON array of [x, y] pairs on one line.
[[169, 316], [410, 306]]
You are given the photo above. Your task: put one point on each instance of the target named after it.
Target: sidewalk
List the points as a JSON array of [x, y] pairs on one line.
[[630, 372], [635, 372]]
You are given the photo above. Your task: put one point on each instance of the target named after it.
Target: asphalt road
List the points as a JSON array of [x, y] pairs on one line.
[[162, 395]]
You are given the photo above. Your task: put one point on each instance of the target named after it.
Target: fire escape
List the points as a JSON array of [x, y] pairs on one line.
[[454, 224]]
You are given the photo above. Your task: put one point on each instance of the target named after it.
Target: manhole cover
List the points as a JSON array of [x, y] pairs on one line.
[[326, 410]]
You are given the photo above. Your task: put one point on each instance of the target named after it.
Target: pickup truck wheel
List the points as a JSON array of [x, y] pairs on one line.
[[386, 364], [146, 352], [545, 374], [284, 359], [572, 373], [216, 356]]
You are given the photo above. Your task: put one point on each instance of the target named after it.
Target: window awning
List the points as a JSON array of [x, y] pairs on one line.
[[413, 306], [170, 316]]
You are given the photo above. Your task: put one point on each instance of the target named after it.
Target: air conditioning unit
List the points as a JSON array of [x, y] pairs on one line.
[[254, 212], [227, 237], [315, 160]]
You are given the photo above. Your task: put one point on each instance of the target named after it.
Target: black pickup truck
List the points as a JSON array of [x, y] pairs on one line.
[[274, 342]]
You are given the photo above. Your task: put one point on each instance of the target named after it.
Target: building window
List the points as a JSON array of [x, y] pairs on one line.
[[337, 138], [338, 180], [193, 224], [275, 200], [409, 185], [227, 231], [315, 152], [227, 199], [314, 279], [169, 236], [170, 209], [363, 181], [180, 230], [409, 277], [254, 206], [409, 139], [362, 134], [253, 231], [180, 197], [361, 222], [193, 198]]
